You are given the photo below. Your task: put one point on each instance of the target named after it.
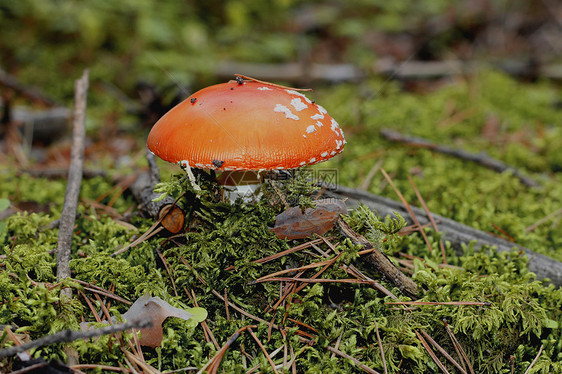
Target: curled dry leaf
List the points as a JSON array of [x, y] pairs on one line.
[[294, 224], [156, 309]]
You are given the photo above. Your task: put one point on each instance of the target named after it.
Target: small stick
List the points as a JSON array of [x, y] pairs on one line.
[[380, 346], [338, 341], [535, 360], [226, 305], [67, 336], [480, 158], [68, 214]]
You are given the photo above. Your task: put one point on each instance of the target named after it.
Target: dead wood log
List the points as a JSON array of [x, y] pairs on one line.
[[455, 232]]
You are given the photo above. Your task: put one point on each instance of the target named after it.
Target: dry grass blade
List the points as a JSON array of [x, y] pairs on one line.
[[98, 367], [263, 350], [153, 230], [242, 311], [312, 280], [303, 324], [288, 251], [458, 348], [543, 220], [213, 364], [535, 360], [429, 216], [167, 270], [364, 186], [305, 267], [204, 323], [443, 352], [364, 367], [432, 354], [101, 291], [90, 305], [140, 363], [408, 208], [457, 303]]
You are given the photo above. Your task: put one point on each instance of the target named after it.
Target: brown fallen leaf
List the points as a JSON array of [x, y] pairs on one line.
[[294, 224]]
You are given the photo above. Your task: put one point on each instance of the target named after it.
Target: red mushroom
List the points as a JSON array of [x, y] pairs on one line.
[[246, 125]]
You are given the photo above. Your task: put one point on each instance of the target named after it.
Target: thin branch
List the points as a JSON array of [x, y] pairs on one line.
[[535, 360], [480, 158], [68, 214], [67, 336]]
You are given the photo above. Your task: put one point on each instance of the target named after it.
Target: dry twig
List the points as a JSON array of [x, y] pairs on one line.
[[480, 158], [67, 336], [68, 214]]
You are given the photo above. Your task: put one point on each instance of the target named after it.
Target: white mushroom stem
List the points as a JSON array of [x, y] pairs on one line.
[[191, 177]]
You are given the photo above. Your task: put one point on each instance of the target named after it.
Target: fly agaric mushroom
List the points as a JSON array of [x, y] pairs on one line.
[[244, 125]]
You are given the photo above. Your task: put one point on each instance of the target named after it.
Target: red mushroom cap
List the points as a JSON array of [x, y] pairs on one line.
[[246, 125]]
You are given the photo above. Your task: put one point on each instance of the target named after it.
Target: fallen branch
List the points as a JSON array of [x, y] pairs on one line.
[[29, 92], [404, 70], [67, 336], [480, 158], [380, 262], [454, 232]]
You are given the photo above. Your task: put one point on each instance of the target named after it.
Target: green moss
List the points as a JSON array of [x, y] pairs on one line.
[[223, 239]]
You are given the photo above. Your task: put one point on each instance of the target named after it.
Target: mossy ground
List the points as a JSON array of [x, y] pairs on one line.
[[524, 314]]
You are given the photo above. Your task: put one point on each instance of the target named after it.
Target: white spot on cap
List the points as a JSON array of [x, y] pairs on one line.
[[332, 153], [319, 124], [200, 166], [280, 168], [317, 116], [298, 104], [312, 160], [302, 163], [324, 154], [293, 92], [321, 109], [339, 143], [283, 109], [265, 88], [310, 129], [335, 126]]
